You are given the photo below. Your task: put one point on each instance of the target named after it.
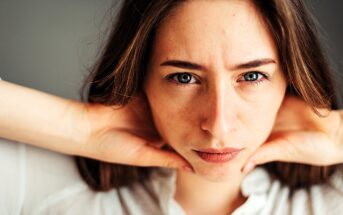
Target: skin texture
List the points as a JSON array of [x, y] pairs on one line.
[[218, 107], [216, 110]]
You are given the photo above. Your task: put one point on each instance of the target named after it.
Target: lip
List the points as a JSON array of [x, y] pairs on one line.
[[218, 155]]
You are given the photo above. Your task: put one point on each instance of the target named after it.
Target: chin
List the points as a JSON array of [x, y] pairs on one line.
[[217, 173]]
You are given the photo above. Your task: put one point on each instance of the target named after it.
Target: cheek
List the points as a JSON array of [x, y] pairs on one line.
[[258, 124], [172, 118], [258, 117]]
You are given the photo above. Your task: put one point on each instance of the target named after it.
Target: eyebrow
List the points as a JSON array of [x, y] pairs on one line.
[[194, 66]]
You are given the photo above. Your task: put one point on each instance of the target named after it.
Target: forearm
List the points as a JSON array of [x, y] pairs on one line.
[[41, 119]]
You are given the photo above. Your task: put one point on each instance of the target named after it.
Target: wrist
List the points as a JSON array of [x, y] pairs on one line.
[[92, 121], [79, 131]]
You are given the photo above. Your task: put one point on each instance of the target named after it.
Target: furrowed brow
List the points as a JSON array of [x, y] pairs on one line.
[[254, 63], [183, 64], [193, 66]]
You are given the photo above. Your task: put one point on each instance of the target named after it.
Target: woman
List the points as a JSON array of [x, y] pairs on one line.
[[220, 87]]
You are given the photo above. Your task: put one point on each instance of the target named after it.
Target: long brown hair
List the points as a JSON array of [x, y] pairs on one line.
[[119, 75]]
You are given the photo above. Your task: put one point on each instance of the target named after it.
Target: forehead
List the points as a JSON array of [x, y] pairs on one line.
[[204, 30]]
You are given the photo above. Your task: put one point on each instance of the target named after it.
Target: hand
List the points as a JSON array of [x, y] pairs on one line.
[[301, 136], [127, 135], [121, 135]]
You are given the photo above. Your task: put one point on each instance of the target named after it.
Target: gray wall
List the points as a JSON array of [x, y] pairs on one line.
[[49, 45], [329, 16]]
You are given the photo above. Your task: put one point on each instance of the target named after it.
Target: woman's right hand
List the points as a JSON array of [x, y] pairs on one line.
[[123, 135], [127, 135]]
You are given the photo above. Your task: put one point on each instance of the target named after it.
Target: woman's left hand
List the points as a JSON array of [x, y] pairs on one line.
[[299, 135]]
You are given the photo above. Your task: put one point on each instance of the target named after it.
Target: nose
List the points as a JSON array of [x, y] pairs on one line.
[[219, 111]]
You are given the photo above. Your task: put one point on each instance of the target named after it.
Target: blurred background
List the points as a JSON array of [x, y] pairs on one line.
[[50, 45]]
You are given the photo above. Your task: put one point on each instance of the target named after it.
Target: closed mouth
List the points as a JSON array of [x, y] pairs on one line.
[[217, 157]]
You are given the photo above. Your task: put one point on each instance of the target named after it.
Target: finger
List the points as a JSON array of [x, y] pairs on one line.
[[125, 148], [156, 157], [272, 151], [279, 149]]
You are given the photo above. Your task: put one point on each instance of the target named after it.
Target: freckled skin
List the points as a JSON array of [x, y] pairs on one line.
[[220, 110]]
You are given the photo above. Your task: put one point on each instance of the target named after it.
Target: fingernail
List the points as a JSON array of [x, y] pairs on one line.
[[247, 168], [187, 169]]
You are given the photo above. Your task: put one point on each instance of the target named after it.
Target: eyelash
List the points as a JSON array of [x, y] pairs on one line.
[[264, 77], [170, 78]]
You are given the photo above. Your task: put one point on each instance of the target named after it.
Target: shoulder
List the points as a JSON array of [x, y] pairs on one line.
[[30, 175], [12, 185], [325, 198], [38, 181], [275, 198], [136, 199]]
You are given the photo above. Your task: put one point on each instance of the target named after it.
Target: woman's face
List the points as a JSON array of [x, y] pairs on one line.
[[214, 81]]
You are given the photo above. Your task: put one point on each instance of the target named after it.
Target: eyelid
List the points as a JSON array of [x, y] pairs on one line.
[[170, 77], [264, 76]]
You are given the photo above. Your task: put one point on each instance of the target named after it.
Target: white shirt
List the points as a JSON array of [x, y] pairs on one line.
[[37, 181]]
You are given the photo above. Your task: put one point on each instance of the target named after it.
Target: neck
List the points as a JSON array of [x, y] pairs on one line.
[[197, 195]]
